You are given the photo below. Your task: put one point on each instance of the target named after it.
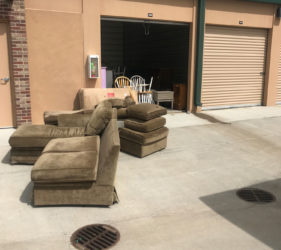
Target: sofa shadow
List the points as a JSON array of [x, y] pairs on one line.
[[6, 158], [262, 221], [26, 196]]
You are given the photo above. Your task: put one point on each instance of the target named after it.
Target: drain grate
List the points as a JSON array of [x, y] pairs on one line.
[[255, 195], [95, 237]]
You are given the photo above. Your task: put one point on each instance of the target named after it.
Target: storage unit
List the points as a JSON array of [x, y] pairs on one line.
[[278, 96], [234, 66]]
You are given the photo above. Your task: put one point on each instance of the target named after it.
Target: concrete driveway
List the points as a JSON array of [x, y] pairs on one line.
[[180, 198]]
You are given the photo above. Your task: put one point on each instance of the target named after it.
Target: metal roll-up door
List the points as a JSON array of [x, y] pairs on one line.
[[278, 97], [234, 66]]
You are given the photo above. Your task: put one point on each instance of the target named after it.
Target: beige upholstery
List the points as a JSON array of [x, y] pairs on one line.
[[146, 111], [68, 160], [86, 169], [143, 138], [90, 97], [145, 126], [28, 135]]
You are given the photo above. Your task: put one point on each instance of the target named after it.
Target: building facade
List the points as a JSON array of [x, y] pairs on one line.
[[232, 49]]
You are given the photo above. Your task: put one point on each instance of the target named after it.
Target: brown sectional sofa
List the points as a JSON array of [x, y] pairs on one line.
[[73, 165]]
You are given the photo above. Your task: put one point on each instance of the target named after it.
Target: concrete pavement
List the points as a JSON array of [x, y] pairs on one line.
[[180, 198]]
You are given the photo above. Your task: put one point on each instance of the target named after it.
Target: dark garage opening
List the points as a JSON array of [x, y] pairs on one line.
[[148, 49]]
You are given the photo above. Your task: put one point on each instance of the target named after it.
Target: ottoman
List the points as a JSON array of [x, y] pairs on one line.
[[144, 131], [142, 144]]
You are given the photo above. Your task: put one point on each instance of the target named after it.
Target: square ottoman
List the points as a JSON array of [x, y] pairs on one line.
[[142, 144]]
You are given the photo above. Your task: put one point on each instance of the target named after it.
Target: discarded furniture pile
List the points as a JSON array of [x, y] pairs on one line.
[[75, 153]]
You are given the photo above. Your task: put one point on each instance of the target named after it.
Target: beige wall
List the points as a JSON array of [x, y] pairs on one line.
[[230, 12], [61, 34], [55, 46]]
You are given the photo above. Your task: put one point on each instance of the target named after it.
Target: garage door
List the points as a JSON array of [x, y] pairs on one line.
[[233, 68], [278, 98]]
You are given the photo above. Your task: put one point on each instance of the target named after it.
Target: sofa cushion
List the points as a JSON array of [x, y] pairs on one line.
[[128, 101], [145, 126], [99, 119], [142, 150], [51, 117], [146, 111], [28, 135], [115, 102], [143, 138], [122, 113], [74, 120], [68, 160]]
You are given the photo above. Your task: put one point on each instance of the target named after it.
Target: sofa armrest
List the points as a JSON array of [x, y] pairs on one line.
[[109, 153]]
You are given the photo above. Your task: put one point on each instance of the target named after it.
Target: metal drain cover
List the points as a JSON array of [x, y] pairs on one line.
[[95, 237], [255, 195]]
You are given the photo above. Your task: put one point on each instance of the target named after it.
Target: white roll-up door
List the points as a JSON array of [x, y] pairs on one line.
[[234, 66], [278, 97]]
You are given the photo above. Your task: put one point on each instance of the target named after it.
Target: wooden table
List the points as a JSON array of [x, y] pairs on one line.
[[163, 96]]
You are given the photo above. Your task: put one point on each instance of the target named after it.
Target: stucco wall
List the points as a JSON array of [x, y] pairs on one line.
[[230, 12], [55, 41]]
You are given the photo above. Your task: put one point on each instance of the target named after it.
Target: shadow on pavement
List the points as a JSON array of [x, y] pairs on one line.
[[262, 221], [26, 196], [6, 158]]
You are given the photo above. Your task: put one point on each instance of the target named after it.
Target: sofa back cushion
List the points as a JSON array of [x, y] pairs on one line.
[[74, 120], [90, 97], [146, 111], [99, 119]]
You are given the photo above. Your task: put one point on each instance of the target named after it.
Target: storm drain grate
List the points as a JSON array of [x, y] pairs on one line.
[[95, 237], [255, 195]]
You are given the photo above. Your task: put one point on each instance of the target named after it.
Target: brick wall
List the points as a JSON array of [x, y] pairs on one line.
[[12, 11]]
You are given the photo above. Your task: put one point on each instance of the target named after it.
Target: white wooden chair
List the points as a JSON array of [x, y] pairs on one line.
[[149, 98], [137, 83], [144, 91]]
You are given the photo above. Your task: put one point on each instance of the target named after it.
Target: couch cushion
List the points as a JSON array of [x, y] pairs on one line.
[[74, 120], [74, 144], [142, 150], [128, 101], [89, 97], [122, 113], [145, 126], [99, 119], [115, 102], [28, 135], [68, 160], [143, 138], [51, 117], [146, 111]]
